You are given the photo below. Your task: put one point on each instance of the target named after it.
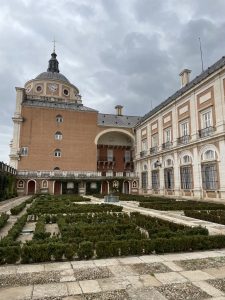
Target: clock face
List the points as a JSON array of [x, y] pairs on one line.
[[53, 87], [28, 89]]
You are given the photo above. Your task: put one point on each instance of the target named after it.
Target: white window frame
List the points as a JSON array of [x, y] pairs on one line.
[[59, 119], [211, 157], [206, 121], [127, 156], [184, 128], [58, 136], [57, 153], [184, 161], [109, 154], [155, 140], [168, 135], [24, 151]]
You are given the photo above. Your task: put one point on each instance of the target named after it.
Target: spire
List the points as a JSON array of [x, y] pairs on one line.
[[53, 64]]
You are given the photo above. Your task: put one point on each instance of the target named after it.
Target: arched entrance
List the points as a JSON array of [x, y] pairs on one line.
[[126, 187], [57, 188], [31, 187], [105, 187]]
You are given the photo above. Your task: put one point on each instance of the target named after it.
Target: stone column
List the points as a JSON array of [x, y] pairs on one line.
[[221, 168], [197, 176], [176, 170]]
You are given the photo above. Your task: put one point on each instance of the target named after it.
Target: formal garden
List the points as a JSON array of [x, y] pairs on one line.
[[71, 227]]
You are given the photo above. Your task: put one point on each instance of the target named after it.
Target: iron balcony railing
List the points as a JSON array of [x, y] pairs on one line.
[[154, 150], [167, 145], [143, 153], [73, 174], [185, 139], [206, 131]]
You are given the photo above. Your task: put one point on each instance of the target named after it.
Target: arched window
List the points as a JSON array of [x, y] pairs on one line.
[[57, 153], [209, 155], [169, 162], [59, 119], [56, 169], [186, 159], [58, 135]]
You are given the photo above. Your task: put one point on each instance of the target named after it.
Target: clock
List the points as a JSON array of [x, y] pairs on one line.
[[53, 87]]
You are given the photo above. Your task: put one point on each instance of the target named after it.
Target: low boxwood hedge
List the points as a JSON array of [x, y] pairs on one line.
[[217, 216]]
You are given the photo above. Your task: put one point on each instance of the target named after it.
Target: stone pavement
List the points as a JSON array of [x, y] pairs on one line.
[[197, 275], [6, 205]]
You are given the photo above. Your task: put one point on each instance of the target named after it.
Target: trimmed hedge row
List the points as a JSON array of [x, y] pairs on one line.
[[207, 215], [182, 205], [3, 220], [57, 251], [17, 209], [40, 232]]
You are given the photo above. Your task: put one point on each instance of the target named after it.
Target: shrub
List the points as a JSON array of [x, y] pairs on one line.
[[85, 250], [17, 209], [3, 220]]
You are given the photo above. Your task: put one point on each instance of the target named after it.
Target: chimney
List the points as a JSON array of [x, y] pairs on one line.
[[184, 76], [119, 110]]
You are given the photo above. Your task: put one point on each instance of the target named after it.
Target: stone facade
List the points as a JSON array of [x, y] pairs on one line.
[[181, 143]]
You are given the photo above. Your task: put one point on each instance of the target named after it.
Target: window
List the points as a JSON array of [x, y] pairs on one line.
[[66, 92], [144, 180], [59, 119], [209, 176], [168, 178], [39, 88], [184, 129], [144, 145], [127, 156], [56, 169], [155, 180], [58, 135], [24, 151], [57, 153], [206, 119], [209, 155], [186, 159], [155, 140], [20, 184], [186, 177], [167, 135], [169, 162], [109, 154]]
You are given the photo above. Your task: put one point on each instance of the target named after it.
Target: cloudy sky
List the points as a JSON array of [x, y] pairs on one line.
[[127, 52]]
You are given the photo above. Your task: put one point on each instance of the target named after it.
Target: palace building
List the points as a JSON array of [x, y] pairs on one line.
[[60, 146], [180, 144]]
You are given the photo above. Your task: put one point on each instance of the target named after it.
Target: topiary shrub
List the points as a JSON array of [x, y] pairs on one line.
[[85, 250]]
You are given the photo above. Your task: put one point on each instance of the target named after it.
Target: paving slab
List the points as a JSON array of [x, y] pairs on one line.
[[7, 270], [57, 266], [215, 272], [122, 270], [130, 260], [67, 278], [170, 277], [82, 264], [90, 286], [113, 283], [16, 293], [49, 290], [106, 262], [74, 288], [151, 258], [145, 294], [208, 288], [149, 280], [197, 275], [30, 268], [173, 266]]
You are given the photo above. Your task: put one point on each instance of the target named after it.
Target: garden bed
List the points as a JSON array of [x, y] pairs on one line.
[[215, 216]]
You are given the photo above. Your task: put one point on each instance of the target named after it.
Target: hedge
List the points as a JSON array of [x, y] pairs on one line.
[[211, 216], [17, 209], [3, 220]]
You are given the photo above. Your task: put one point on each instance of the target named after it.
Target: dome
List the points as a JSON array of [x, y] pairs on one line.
[[52, 76]]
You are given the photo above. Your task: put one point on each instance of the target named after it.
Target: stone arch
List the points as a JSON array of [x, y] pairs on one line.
[[166, 159], [183, 154], [113, 130], [205, 148], [31, 187]]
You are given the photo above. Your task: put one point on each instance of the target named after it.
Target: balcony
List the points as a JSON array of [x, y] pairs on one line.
[[206, 131], [106, 159], [167, 145], [143, 153], [154, 150], [72, 174], [183, 140]]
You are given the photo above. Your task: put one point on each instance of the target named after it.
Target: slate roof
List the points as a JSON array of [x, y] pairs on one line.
[[215, 67], [52, 76], [117, 121], [59, 105]]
